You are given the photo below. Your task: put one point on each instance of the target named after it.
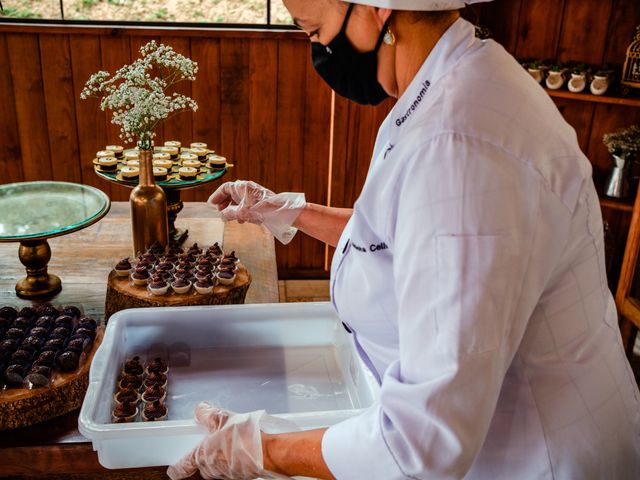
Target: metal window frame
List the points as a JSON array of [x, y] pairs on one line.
[[63, 21]]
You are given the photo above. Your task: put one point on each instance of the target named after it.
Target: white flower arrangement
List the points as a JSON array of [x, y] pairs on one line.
[[136, 93]]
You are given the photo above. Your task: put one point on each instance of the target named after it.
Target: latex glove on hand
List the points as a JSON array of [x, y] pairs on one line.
[[247, 201], [233, 447]]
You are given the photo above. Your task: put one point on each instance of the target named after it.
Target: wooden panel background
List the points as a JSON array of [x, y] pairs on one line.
[[263, 106]]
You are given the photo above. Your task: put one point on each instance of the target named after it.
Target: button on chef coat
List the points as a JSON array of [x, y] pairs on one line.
[[472, 275]]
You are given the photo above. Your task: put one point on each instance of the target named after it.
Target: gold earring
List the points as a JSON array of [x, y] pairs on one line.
[[389, 38]]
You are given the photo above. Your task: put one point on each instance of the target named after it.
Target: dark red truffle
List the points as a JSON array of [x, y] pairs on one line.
[[22, 356], [47, 310], [39, 332], [32, 343], [9, 313], [72, 311], [68, 361], [39, 375], [54, 344], [46, 322], [60, 332], [14, 374], [28, 312], [22, 323], [47, 357], [87, 322], [15, 333], [64, 321]]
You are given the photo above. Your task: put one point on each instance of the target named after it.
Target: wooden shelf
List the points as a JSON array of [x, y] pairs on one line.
[[622, 205], [629, 101]]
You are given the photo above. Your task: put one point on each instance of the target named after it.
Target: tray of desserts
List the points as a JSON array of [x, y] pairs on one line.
[[44, 356], [173, 165], [296, 361]]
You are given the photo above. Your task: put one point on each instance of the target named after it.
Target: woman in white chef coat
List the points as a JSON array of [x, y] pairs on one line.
[[470, 271]]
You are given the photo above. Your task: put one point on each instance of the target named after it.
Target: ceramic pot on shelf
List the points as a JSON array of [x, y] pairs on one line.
[[555, 80], [536, 73], [578, 82], [600, 84]]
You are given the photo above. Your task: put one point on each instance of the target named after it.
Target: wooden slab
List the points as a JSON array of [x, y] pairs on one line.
[[121, 294], [20, 407]]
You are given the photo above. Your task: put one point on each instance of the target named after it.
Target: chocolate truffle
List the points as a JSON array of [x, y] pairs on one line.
[[127, 395], [32, 343], [85, 332], [68, 361], [133, 366], [54, 344], [76, 345], [154, 411], [22, 323], [9, 313], [28, 312], [72, 311], [14, 374], [124, 412], [157, 366], [155, 379], [86, 340], [22, 356], [60, 332], [64, 321], [40, 332], [46, 322], [47, 310], [9, 344], [39, 375], [15, 333], [5, 323], [87, 322], [47, 357]]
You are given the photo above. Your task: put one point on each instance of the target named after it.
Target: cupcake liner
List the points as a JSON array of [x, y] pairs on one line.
[[118, 402], [128, 419], [161, 399], [122, 273]]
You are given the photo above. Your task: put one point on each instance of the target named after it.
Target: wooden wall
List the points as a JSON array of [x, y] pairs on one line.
[[263, 106]]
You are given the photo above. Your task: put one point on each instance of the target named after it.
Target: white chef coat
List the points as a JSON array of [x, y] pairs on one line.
[[472, 274]]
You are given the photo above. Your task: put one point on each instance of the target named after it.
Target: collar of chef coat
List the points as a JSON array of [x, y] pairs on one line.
[[458, 40]]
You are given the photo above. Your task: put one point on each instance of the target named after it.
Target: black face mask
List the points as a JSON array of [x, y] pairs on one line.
[[352, 74]]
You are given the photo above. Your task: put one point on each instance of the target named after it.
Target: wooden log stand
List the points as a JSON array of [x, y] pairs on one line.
[[121, 294], [20, 407]]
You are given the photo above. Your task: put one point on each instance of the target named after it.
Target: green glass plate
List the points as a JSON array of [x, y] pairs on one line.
[[37, 210]]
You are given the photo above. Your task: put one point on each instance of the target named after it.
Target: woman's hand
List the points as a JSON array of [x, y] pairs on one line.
[[246, 201], [233, 447]]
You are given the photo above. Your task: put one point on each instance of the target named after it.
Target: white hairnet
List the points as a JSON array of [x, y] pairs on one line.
[[416, 5]]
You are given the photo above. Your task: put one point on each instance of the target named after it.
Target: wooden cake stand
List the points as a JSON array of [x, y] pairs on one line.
[[20, 407], [122, 295]]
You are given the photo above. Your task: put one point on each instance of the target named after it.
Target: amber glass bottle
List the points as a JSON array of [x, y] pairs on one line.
[[148, 208]]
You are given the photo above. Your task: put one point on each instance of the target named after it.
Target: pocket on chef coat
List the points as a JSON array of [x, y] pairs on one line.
[[473, 272]]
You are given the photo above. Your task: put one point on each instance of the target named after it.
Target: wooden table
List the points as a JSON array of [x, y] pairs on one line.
[[83, 261]]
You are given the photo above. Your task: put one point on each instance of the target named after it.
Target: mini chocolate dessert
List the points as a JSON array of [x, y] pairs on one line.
[[158, 366], [48, 357], [9, 313], [228, 265], [225, 277], [9, 344], [133, 366], [39, 375], [68, 361], [159, 286], [64, 321], [123, 267], [124, 413], [204, 286], [54, 344], [182, 270], [48, 310], [194, 249], [71, 311], [131, 381], [175, 249], [22, 323], [58, 332], [80, 339], [154, 412], [140, 276], [153, 394], [127, 395], [32, 343], [21, 356], [159, 379], [181, 285], [46, 322], [15, 333], [145, 264], [203, 275], [148, 256], [28, 312], [215, 249], [14, 374], [205, 263], [39, 332]]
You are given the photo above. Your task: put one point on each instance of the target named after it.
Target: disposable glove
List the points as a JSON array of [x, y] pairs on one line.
[[233, 448], [247, 201]]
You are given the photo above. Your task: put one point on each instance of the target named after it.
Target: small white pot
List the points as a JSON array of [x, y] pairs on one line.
[[555, 80], [600, 85], [537, 74], [578, 82]]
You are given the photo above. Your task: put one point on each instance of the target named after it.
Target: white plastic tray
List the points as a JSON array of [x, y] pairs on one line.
[[293, 360]]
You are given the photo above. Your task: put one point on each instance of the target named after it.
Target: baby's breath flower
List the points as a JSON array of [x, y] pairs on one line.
[[137, 98]]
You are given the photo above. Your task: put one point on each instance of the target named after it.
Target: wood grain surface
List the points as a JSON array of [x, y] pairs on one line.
[[83, 261]]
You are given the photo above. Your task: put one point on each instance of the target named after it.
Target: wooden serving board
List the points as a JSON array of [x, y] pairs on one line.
[[20, 407], [122, 295]]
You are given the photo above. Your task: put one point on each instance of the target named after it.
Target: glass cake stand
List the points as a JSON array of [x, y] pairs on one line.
[[32, 212], [172, 187]]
